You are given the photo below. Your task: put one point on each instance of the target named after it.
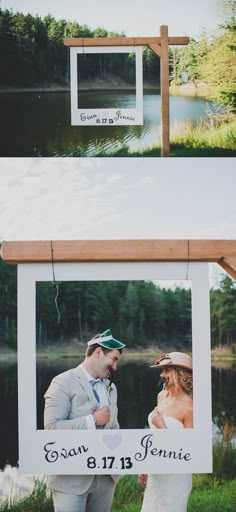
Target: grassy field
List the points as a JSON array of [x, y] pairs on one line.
[[191, 139], [221, 498], [214, 497], [215, 492]]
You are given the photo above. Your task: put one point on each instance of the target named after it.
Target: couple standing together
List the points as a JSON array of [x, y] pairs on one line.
[[79, 399]]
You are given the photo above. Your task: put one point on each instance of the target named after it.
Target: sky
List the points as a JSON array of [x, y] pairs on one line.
[[120, 198], [117, 198], [82, 198], [134, 17]]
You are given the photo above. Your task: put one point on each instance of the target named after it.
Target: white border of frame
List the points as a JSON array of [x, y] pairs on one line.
[[131, 451], [106, 117]]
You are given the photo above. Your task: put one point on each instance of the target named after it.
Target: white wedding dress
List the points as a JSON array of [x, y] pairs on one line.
[[167, 493]]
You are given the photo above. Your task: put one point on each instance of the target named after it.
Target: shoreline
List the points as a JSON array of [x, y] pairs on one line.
[[50, 355], [190, 89], [95, 86]]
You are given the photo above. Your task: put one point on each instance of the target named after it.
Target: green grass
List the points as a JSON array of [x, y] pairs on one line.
[[37, 501], [189, 139], [224, 458], [128, 492], [132, 507], [221, 498], [214, 497], [214, 492], [205, 137]]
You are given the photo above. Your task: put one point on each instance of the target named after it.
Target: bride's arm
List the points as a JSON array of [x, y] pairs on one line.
[[188, 418]]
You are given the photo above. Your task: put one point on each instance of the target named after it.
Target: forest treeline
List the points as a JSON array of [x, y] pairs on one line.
[[140, 312], [32, 52], [211, 60]]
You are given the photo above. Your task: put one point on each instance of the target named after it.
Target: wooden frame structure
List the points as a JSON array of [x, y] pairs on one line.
[[110, 260], [160, 46], [222, 252], [56, 452]]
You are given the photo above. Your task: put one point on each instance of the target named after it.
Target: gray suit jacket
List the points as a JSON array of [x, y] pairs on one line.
[[68, 400]]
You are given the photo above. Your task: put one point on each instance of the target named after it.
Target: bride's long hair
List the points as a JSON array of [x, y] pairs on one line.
[[184, 378]]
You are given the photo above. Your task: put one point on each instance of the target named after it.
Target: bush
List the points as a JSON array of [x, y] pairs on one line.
[[224, 461]]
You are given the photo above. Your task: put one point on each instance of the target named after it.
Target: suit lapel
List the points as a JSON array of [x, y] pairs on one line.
[[80, 375]]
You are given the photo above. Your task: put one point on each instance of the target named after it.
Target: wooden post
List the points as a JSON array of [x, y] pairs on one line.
[[165, 117]]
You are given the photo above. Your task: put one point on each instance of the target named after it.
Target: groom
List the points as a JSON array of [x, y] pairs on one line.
[[79, 399]]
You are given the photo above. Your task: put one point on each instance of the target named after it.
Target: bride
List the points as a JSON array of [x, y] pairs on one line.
[[170, 493]]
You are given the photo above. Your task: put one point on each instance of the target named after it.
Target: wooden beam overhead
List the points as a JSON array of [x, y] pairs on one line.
[[222, 252], [122, 41]]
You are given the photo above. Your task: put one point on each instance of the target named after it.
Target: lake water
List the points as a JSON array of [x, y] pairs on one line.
[[137, 388], [38, 124]]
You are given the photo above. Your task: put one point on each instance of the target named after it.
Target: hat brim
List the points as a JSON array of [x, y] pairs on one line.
[[160, 365], [111, 344]]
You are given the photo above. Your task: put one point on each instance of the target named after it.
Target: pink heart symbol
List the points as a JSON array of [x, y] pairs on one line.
[[112, 440]]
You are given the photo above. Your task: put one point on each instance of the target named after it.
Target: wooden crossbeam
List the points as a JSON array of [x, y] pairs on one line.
[[122, 41], [222, 252]]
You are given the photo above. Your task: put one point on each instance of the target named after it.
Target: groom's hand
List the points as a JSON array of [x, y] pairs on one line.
[[102, 416]]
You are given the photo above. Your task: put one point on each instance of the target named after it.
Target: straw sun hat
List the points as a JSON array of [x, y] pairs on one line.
[[173, 359]]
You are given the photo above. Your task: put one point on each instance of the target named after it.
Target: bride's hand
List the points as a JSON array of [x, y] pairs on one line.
[[142, 480], [157, 419]]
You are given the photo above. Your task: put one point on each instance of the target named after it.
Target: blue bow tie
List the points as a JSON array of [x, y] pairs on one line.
[[94, 382]]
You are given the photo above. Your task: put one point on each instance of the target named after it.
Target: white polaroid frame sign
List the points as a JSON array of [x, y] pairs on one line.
[[105, 116], [124, 451]]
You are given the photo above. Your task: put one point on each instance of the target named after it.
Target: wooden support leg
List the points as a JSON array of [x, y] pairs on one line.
[[165, 117]]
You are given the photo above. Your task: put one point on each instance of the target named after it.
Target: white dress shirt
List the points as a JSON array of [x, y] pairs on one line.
[[102, 393]]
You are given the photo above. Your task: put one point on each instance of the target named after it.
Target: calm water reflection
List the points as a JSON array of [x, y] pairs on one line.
[[137, 386], [34, 124]]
